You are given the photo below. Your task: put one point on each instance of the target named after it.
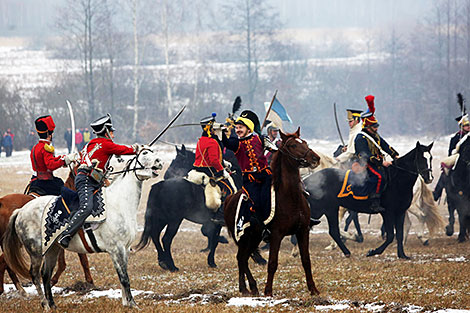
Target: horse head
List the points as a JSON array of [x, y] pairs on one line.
[[424, 162], [181, 165], [147, 163], [297, 149]]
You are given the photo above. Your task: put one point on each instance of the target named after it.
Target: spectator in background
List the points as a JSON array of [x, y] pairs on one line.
[[31, 140], [86, 137], [68, 138], [78, 139], [7, 143]]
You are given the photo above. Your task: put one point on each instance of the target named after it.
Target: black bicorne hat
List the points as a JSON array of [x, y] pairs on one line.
[[250, 115], [102, 124]]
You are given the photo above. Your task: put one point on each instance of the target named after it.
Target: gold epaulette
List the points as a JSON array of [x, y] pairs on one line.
[[49, 148]]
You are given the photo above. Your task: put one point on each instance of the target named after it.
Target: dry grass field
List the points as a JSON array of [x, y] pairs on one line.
[[437, 276]]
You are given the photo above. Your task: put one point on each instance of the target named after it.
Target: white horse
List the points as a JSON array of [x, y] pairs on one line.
[[114, 236]]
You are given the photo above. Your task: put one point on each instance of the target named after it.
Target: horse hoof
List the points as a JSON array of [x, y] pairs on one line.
[[461, 239], [204, 250], [371, 253], [404, 257], [449, 230], [255, 293], [223, 240], [426, 242], [348, 255], [314, 292], [360, 239], [212, 265], [174, 269], [166, 267]]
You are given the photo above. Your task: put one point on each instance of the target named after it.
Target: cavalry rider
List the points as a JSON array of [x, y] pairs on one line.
[[355, 127], [44, 162], [449, 162], [273, 136], [257, 176], [210, 162], [369, 146], [92, 172]]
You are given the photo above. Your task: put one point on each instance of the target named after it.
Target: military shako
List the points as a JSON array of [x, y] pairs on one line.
[[102, 125], [368, 118], [44, 126], [207, 123], [353, 114]]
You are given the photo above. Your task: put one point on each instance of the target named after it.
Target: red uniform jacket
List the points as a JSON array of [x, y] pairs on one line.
[[208, 154], [44, 162], [102, 149]]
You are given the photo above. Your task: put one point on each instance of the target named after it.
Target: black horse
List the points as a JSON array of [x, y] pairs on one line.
[[458, 190], [174, 199], [325, 185]]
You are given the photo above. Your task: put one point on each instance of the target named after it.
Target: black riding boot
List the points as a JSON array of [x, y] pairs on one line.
[[439, 187], [375, 203], [218, 217], [86, 187]]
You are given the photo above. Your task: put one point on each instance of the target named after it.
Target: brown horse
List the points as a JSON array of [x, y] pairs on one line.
[[292, 215], [10, 203]]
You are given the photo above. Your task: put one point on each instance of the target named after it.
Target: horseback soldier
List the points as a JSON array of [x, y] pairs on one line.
[[44, 162], [209, 161], [92, 172], [273, 136], [257, 176], [453, 153], [370, 148], [355, 127]]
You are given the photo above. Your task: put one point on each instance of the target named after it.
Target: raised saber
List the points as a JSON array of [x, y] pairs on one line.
[[167, 126], [337, 124], [269, 110], [72, 121]]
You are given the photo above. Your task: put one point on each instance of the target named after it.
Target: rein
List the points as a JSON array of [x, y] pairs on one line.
[[302, 159], [135, 168], [418, 171]]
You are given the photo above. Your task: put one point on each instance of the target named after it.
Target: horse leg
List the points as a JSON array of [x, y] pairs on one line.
[[273, 262], [451, 209], [462, 228], [167, 239], [120, 258], [258, 258], [13, 277], [333, 226], [155, 235], [34, 271], [348, 221], [406, 227], [243, 254], [86, 267], [50, 259], [399, 221], [303, 238], [355, 218], [388, 225], [213, 242], [60, 267]]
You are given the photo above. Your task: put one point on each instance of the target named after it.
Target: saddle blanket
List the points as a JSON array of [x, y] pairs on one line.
[[56, 215], [244, 213], [353, 185]]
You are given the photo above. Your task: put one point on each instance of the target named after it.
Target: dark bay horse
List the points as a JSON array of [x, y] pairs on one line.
[[458, 190], [325, 185], [292, 215]]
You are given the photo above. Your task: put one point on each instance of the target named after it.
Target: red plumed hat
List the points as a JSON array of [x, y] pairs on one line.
[[368, 118]]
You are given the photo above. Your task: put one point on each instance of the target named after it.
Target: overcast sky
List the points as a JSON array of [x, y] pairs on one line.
[[34, 17]]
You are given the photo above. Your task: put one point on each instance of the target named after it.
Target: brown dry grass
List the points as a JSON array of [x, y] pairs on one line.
[[429, 280]]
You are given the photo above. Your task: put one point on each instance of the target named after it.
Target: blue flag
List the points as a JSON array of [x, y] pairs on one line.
[[278, 113]]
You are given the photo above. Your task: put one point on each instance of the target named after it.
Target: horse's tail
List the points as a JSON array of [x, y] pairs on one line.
[[433, 219], [152, 204], [12, 249]]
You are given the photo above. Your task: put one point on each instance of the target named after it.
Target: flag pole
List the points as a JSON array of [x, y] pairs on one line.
[[269, 110]]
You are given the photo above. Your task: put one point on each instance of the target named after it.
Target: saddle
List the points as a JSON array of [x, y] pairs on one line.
[[354, 184], [212, 192], [57, 214]]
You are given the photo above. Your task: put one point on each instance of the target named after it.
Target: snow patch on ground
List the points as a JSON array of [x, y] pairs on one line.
[[255, 302]]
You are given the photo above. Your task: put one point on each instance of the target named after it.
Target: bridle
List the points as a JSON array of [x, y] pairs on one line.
[[138, 165], [418, 171], [302, 159]]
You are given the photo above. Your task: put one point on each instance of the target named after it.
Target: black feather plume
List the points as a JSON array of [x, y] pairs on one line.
[[461, 102], [237, 104]]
